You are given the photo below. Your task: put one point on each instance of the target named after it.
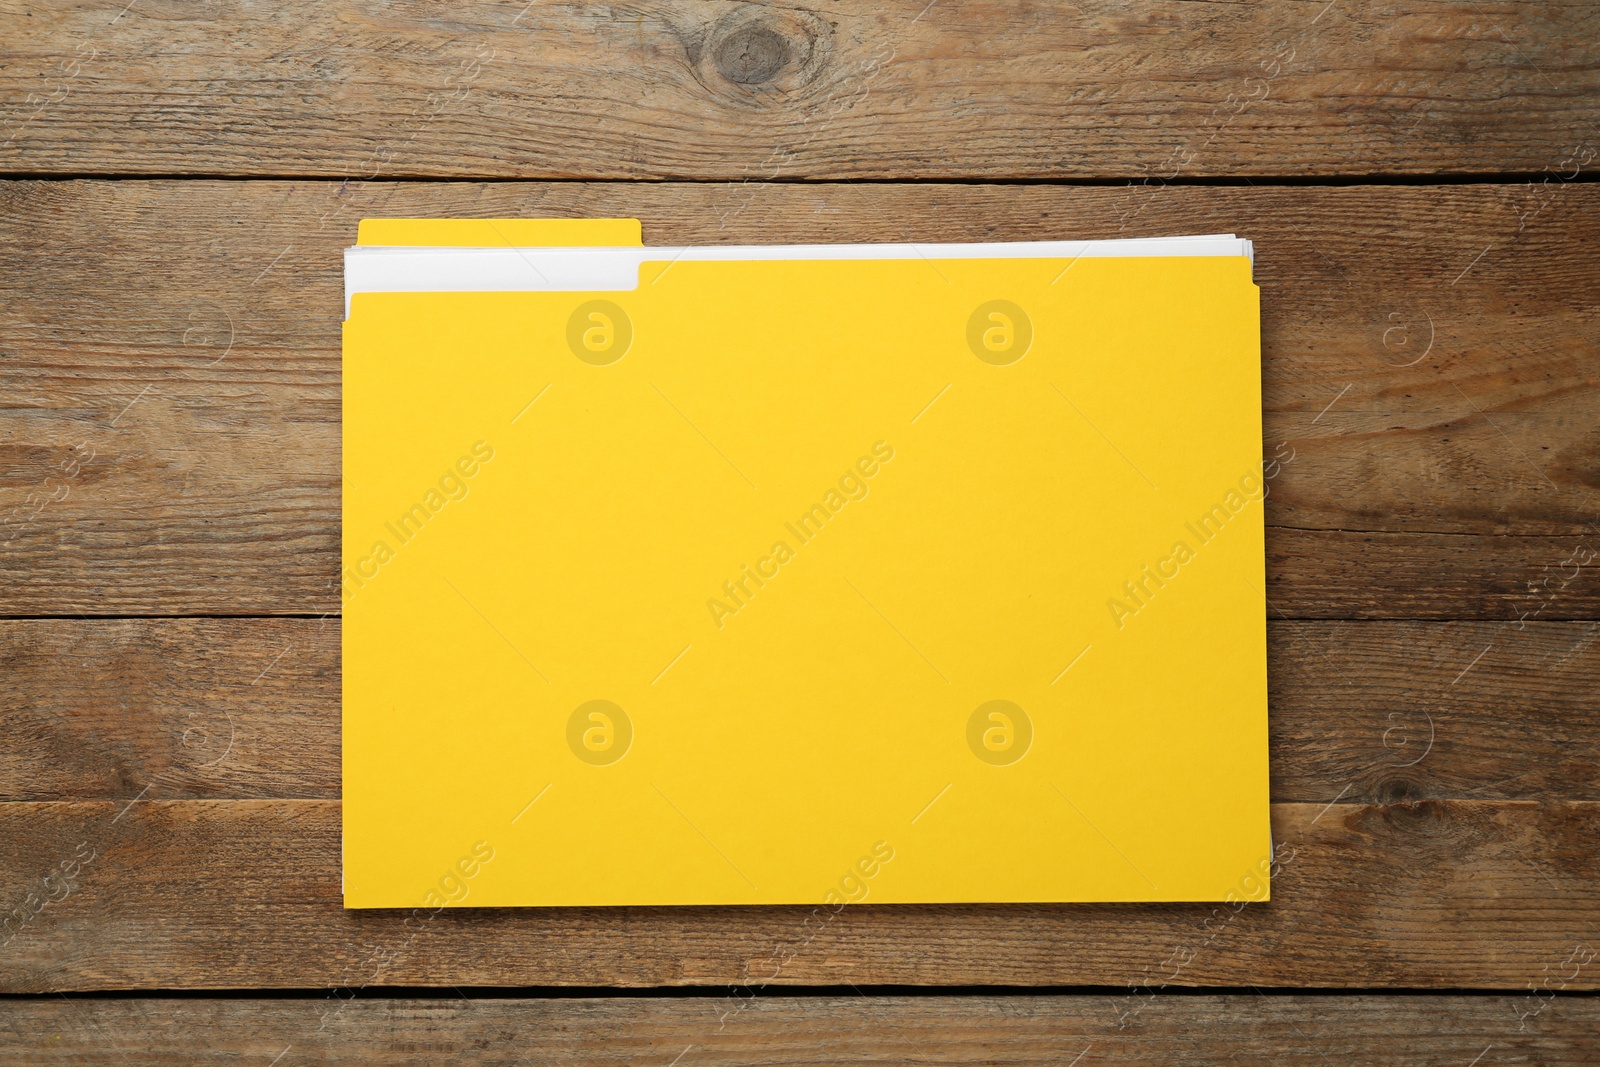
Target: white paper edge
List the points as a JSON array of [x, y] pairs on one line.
[[396, 269]]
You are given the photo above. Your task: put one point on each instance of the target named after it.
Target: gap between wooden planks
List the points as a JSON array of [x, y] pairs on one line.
[[1431, 374]]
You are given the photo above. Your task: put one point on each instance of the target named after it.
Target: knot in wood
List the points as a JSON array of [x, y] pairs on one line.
[[751, 55]]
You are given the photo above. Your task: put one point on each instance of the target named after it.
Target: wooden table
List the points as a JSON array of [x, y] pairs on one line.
[[1417, 179]]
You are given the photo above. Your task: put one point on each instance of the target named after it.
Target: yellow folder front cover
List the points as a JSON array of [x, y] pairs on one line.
[[808, 581]]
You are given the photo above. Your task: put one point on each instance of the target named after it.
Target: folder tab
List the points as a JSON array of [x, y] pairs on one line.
[[499, 233]]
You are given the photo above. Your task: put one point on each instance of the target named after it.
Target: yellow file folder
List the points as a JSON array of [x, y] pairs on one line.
[[807, 581]]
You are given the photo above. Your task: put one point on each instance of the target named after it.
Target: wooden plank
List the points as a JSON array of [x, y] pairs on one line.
[[1245, 1029], [1369, 712], [694, 89], [1431, 372], [1392, 712], [245, 894], [191, 708]]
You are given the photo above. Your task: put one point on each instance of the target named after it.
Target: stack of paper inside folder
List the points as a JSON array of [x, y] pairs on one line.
[[800, 574]]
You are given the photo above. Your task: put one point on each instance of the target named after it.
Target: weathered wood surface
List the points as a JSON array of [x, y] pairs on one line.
[[191, 708], [245, 894], [786, 1031], [169, 443], [1365, 712], [698, 89], [1431, 365]]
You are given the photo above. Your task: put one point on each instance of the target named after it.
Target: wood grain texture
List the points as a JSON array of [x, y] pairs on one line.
[[704, 89], [1049, 1031], [190, 708], [1431, 369], [169, 446], [245, 894], [1366, 712]]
